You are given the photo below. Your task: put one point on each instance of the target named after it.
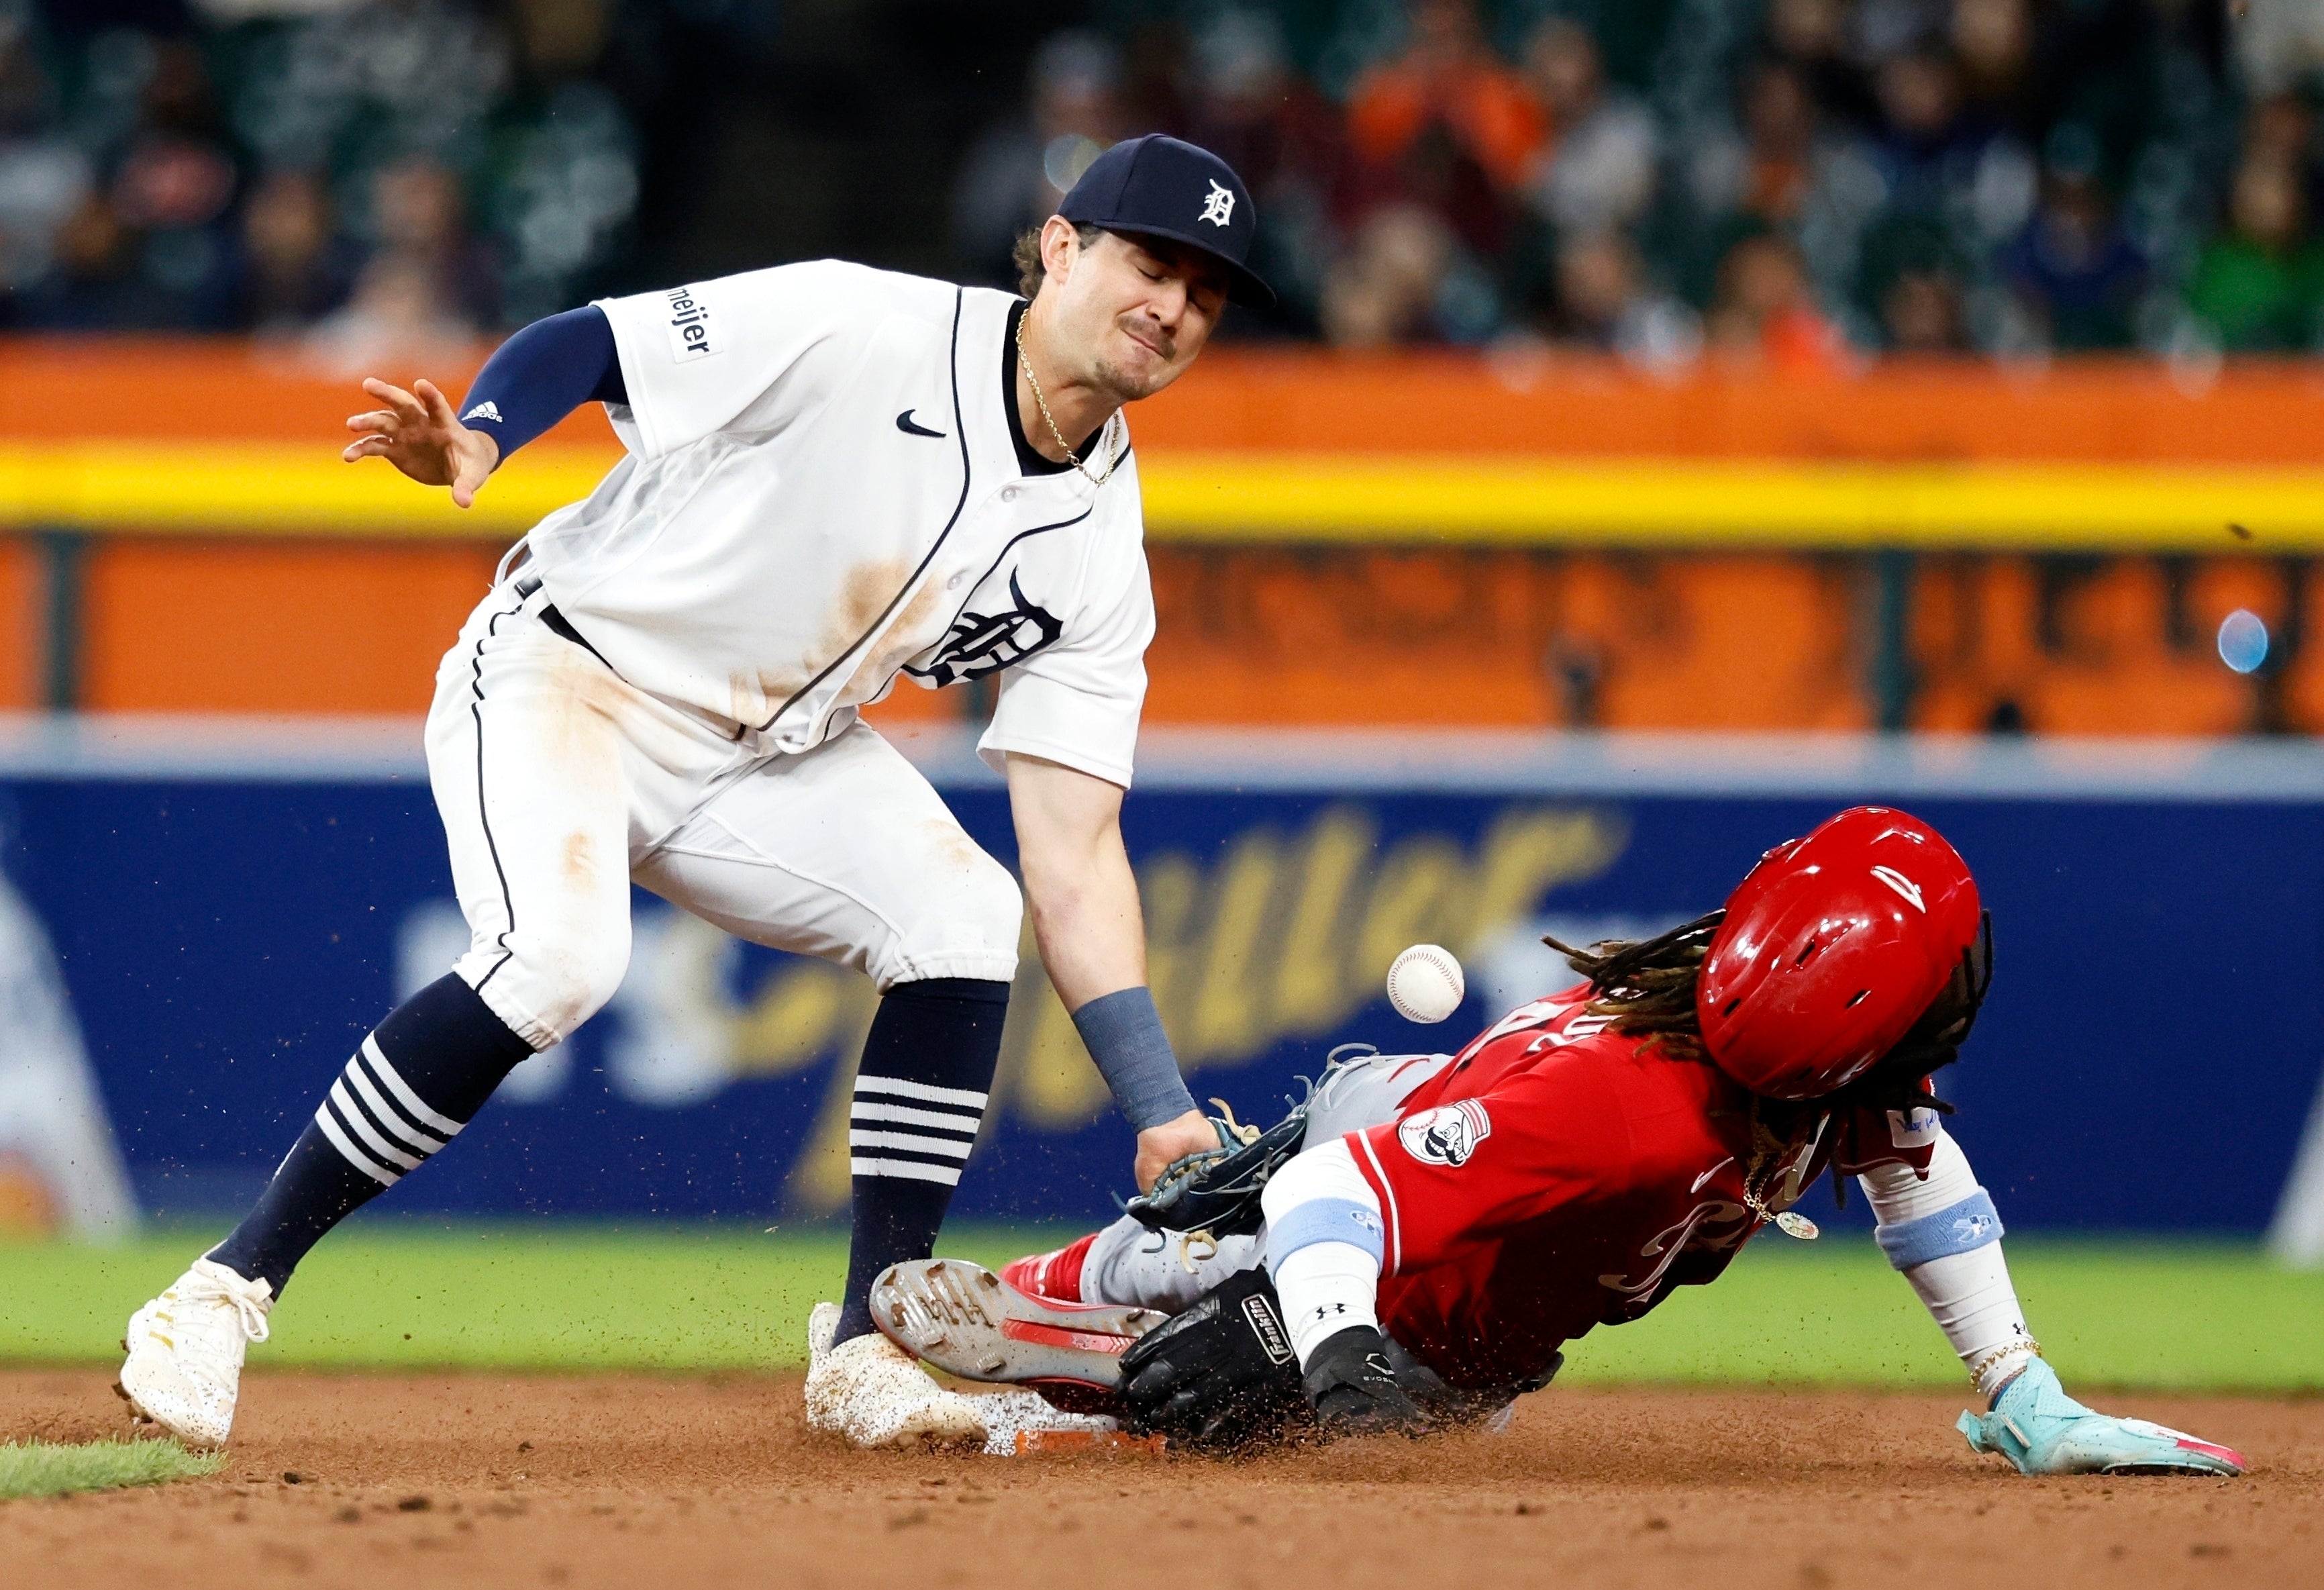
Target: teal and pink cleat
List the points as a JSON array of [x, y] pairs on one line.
[[2043, 1431]]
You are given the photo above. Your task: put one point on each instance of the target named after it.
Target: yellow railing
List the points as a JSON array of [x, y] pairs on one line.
[[246, 488]]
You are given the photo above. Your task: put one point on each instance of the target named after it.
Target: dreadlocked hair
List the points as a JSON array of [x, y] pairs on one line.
[[1648, 984], [1647, 987]]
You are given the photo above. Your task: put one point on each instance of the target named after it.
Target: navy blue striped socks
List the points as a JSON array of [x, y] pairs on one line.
[[425, 1071], [919, 1099], [419, 1077]]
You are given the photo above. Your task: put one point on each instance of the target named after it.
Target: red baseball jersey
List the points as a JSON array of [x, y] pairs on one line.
[[1557, 1175]]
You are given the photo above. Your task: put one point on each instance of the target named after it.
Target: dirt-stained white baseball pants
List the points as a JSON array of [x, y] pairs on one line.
[[559, 785]]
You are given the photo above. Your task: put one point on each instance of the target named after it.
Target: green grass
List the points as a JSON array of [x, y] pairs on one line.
[[550, 1295], [383, 1295], [2177, 1315], [43, 1468]]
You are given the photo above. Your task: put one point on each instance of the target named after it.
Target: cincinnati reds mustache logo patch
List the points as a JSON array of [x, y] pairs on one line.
[[1447, 1135]]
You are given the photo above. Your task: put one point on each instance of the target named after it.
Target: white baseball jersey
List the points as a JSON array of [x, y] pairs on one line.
[[822, 491]]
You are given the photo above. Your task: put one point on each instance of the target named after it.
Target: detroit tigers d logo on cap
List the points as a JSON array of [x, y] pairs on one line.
[[1163, 187]]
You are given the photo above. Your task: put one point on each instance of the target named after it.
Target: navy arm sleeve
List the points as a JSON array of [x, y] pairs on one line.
[[543, 373]]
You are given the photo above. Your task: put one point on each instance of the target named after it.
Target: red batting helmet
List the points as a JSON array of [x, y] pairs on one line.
[[1832, 950]]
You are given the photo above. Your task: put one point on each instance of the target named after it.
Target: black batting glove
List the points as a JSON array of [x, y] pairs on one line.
[[1219, 1374], [1354, 1393]]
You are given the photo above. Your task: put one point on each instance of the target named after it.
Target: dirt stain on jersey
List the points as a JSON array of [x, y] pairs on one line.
[[753, 697], [865, 596], [908, 634], [578, 860]]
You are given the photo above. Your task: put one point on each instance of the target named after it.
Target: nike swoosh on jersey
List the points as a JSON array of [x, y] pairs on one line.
[[910, 426]]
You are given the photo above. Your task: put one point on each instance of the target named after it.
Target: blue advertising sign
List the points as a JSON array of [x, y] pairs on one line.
[[231, 913]]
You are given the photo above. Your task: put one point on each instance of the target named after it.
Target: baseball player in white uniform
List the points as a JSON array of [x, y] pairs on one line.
[[835, 476]]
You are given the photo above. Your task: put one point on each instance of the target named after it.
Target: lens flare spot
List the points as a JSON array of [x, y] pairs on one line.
[[2243, 641]]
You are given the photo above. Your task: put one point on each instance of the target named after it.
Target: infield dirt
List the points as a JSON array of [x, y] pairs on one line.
[[425, 1479]]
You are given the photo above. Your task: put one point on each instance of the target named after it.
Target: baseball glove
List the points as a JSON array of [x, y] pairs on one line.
[[1218, 1190]]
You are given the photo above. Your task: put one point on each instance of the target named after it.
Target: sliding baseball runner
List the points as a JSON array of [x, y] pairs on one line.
[[1418, 1243]]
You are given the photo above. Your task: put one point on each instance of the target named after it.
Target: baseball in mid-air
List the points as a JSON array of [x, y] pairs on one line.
[[1425, 984]]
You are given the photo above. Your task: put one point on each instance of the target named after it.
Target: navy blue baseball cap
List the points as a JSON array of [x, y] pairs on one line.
[[1162, 187]]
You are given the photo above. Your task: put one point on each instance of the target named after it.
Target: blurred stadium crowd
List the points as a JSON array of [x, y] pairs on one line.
[[370, 175], [1805, 182]]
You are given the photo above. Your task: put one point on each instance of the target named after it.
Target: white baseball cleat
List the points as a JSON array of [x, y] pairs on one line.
[[969, 1322], [184, 1369], [869, 1391]]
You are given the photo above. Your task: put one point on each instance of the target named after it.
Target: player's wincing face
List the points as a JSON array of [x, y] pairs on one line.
[[1130, 314]]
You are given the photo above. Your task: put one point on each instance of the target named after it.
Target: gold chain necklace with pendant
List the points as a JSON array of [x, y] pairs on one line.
[[1768, 1156], [1041, 402]]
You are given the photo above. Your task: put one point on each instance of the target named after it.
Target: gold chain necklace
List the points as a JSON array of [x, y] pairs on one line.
[[1768, 1156], [1042, 403]]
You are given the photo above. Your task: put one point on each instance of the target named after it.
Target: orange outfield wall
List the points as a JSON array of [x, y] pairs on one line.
[[20, 623], [1269, 636], [2104, 411], [2094, 410], [185, 389], [180, 626], [1259, 634]]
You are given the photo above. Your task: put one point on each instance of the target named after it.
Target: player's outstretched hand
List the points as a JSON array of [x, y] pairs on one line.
[[2043, 1431], [1219, 1375], [418, 432]]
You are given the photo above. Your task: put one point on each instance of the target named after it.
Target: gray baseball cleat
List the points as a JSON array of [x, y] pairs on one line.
[[969, 1322]]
